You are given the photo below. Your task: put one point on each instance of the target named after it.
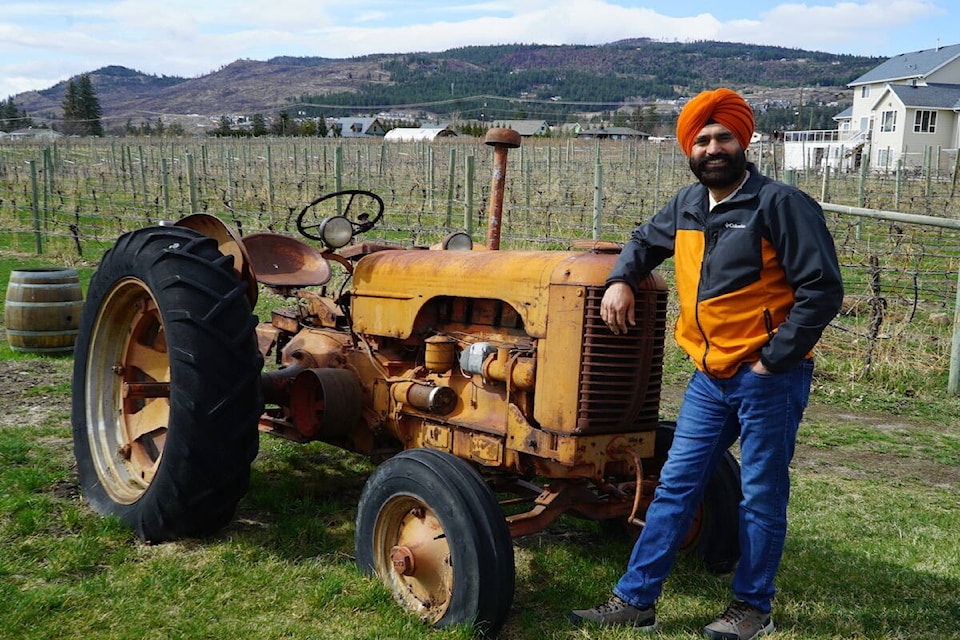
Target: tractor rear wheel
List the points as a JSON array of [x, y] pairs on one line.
[[432, 531], [714, 534], [166, 385]]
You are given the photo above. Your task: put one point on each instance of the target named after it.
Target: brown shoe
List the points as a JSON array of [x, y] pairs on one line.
[[739, 622], [617, 612]]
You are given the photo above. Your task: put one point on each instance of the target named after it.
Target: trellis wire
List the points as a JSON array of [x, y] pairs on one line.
[[79, 194]]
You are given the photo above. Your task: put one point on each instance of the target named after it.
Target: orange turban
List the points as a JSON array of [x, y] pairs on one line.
[[722, 106]]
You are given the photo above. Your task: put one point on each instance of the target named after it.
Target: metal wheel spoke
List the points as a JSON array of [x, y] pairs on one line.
[[153, 416], [153, 363]]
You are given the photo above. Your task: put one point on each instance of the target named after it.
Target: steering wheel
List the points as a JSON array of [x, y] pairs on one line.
[[362, 215]]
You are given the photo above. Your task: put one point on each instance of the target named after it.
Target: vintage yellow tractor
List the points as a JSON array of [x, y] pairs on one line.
[[482, 382]]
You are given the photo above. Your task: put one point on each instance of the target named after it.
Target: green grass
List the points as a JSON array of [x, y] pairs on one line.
[[871, 554], [872, 550]]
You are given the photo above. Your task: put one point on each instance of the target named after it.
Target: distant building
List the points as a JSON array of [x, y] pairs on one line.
[[407, 134], [613, 133], [567, 129], [355, 128], [34, 134], [526, 128]]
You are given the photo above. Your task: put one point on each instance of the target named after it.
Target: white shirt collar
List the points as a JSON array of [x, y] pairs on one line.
[[713, 203]]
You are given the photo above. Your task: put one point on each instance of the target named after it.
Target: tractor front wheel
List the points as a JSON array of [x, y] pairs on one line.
[[432, 531]]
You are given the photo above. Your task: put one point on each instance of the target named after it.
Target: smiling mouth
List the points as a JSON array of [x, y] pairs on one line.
[[715, 165]]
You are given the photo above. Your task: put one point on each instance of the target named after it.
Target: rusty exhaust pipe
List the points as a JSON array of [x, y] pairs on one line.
[[502, 140]]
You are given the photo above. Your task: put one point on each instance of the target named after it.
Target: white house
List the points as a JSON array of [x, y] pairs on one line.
[[901, 109], [355, 128]]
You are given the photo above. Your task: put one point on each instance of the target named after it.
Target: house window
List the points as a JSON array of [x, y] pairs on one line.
[[925, 122], [884, 157], [888, 121], [864, 91]]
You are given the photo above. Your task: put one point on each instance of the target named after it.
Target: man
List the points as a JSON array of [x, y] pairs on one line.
[[757, 281]]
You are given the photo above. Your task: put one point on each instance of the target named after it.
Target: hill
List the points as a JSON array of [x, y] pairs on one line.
[[505, 81]]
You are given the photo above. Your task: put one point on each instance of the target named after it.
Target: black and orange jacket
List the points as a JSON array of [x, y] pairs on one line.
[[757, 277]]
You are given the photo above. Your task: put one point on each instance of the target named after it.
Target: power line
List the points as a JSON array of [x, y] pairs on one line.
[[433, 103]]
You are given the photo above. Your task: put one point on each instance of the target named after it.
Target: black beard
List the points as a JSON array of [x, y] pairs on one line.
[[723, 176]]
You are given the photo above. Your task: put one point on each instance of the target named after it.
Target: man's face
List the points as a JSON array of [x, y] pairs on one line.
[[717, 159]]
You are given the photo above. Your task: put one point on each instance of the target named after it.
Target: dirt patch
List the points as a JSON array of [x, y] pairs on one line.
[[906, 465], [33, 391]]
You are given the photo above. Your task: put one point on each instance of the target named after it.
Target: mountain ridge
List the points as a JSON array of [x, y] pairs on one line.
[[624, 72]]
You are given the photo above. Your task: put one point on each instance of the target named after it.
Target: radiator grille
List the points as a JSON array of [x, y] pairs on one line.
[[620, 376]]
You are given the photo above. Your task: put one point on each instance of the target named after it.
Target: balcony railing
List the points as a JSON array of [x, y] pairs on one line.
[[826, 135]]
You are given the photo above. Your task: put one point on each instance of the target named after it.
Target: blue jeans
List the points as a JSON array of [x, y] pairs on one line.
[[764, 412]]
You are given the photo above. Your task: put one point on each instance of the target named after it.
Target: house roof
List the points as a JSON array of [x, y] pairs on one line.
[[931, 96], [917, 64], [356, 127], [30, 132], [604, 132], [524, 127], [846, 114]]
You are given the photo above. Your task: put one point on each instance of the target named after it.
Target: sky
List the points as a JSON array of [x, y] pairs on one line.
[[43, 42]]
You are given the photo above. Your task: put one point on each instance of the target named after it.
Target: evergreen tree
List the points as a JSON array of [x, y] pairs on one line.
[[259, 125], [225, 128], [81, 109], [308, 128], [648, 119], [284, 125], [90, 106], [71, 110], [11, 118]]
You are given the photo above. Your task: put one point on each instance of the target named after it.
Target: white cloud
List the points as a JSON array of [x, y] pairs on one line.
[[46, 41], [864, 27]]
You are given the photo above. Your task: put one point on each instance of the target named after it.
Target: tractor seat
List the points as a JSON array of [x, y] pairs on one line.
[[285, 262]]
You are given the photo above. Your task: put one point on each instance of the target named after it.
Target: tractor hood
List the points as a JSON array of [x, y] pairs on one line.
[[390, 287]]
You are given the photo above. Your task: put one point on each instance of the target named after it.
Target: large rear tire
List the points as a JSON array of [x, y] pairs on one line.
[[714, 534], [432, 531], [166, 385]]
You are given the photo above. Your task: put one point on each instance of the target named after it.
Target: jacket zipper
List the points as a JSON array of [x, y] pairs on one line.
[[710, 243]]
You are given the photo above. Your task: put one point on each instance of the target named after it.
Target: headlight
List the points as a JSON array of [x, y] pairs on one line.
[[458, 241], [336, 232]]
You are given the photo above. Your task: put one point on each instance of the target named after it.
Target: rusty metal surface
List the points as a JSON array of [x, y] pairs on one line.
[[451, 351], [413, 556], [619, 388], [600, 382], [501, 140], [391, 287], [283, 261]]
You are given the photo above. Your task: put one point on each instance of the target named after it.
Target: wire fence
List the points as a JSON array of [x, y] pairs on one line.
[[69, 200]]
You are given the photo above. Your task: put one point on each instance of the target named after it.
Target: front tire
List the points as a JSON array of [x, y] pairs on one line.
[[166, 392], [432, 531]]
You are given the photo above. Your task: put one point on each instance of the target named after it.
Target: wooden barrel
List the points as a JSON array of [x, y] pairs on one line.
[[42, 310]]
